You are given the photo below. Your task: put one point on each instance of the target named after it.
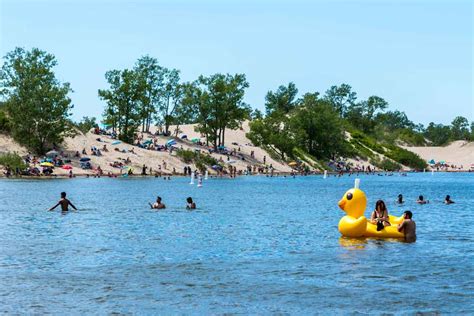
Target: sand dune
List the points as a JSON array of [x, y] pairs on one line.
[[458, 153], [152, 159]]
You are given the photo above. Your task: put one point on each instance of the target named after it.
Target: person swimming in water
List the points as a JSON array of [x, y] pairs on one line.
[[158, 204], [408, 227], [448, 200], [400, 199], [421, 200], [190, 204], [64, 203]]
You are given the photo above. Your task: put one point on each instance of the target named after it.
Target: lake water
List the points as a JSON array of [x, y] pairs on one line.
[[255, 245]]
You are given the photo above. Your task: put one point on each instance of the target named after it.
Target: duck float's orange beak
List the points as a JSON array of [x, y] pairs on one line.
[[341, 204]]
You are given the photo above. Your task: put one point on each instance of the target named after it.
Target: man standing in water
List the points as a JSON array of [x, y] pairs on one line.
[[408, 227], [64, 203], [158, 204]]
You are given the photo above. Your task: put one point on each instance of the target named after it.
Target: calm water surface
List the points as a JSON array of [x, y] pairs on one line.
[[255, 245]]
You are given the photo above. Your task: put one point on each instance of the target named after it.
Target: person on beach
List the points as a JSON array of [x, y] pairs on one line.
[[408, 227], [190, 204], [448, 200], [400, 199], [158, 204], [64, 203], [421, 200], [379, 216]]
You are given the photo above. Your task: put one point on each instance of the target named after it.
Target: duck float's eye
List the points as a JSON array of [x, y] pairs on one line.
[[349, 196]]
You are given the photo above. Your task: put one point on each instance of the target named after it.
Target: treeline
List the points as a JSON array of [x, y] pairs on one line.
[[317, 124], [35, 109], [152, 94]]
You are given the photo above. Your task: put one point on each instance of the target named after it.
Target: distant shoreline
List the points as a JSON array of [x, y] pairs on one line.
[[276, 175]]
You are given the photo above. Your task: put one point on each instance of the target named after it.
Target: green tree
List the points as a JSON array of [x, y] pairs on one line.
[[282, 100], [171, 97], [438, 134], [362, 115], [37, 102], [274, 132], [218, 100], [341, 98], [151, 76], [123, 102], [318, 126], [86, 124], [184, 111], [460, 128]]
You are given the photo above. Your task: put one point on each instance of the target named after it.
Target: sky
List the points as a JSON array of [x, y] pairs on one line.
[[417, 55]]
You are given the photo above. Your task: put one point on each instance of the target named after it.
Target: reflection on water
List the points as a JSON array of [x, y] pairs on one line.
[[254, 246], [352, 243]]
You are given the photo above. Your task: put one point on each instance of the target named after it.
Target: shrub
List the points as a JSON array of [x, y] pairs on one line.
[[12, 160], [4, 122], [367, 141], [388, 165], [186, 155], [406, 158]]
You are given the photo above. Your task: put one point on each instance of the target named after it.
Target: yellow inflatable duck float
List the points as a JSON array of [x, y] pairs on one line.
[[355, 224]]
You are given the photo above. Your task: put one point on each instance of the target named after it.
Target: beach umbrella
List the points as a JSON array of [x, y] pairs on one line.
[[216, 167], [442, 162], [184, 136], [292, 164], [67, 167], [171, 142], [148, 141], [116, 142], [195, 140], [432, 162], [84, 159], [52, 153], [46, 164]]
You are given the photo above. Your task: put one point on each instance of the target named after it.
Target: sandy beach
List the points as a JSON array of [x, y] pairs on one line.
[[459, 154]]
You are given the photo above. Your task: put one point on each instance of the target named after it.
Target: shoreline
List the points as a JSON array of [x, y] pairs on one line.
[[276, 175]]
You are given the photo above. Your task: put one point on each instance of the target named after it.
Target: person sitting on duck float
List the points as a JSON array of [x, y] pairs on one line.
[[380, 215], [355, 224]]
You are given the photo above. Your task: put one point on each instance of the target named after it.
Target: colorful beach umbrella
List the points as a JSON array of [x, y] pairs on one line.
[[184, 136], [84, 159], [292, 164], [116, 142], [67, 167], [432, 162], [195, 140], [46, 164]]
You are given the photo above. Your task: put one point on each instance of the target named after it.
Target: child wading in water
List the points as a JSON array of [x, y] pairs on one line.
[[64, 203]]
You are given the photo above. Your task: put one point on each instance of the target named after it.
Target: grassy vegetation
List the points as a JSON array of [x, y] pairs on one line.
[[13, 161], [4, 122], [200, 160], [405, 157], [386, 164]]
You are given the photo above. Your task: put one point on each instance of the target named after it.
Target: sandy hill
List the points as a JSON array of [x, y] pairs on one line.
[[458, 153], [152, 159]]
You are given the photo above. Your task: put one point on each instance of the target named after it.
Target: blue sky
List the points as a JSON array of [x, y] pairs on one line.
[[418, 55]]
